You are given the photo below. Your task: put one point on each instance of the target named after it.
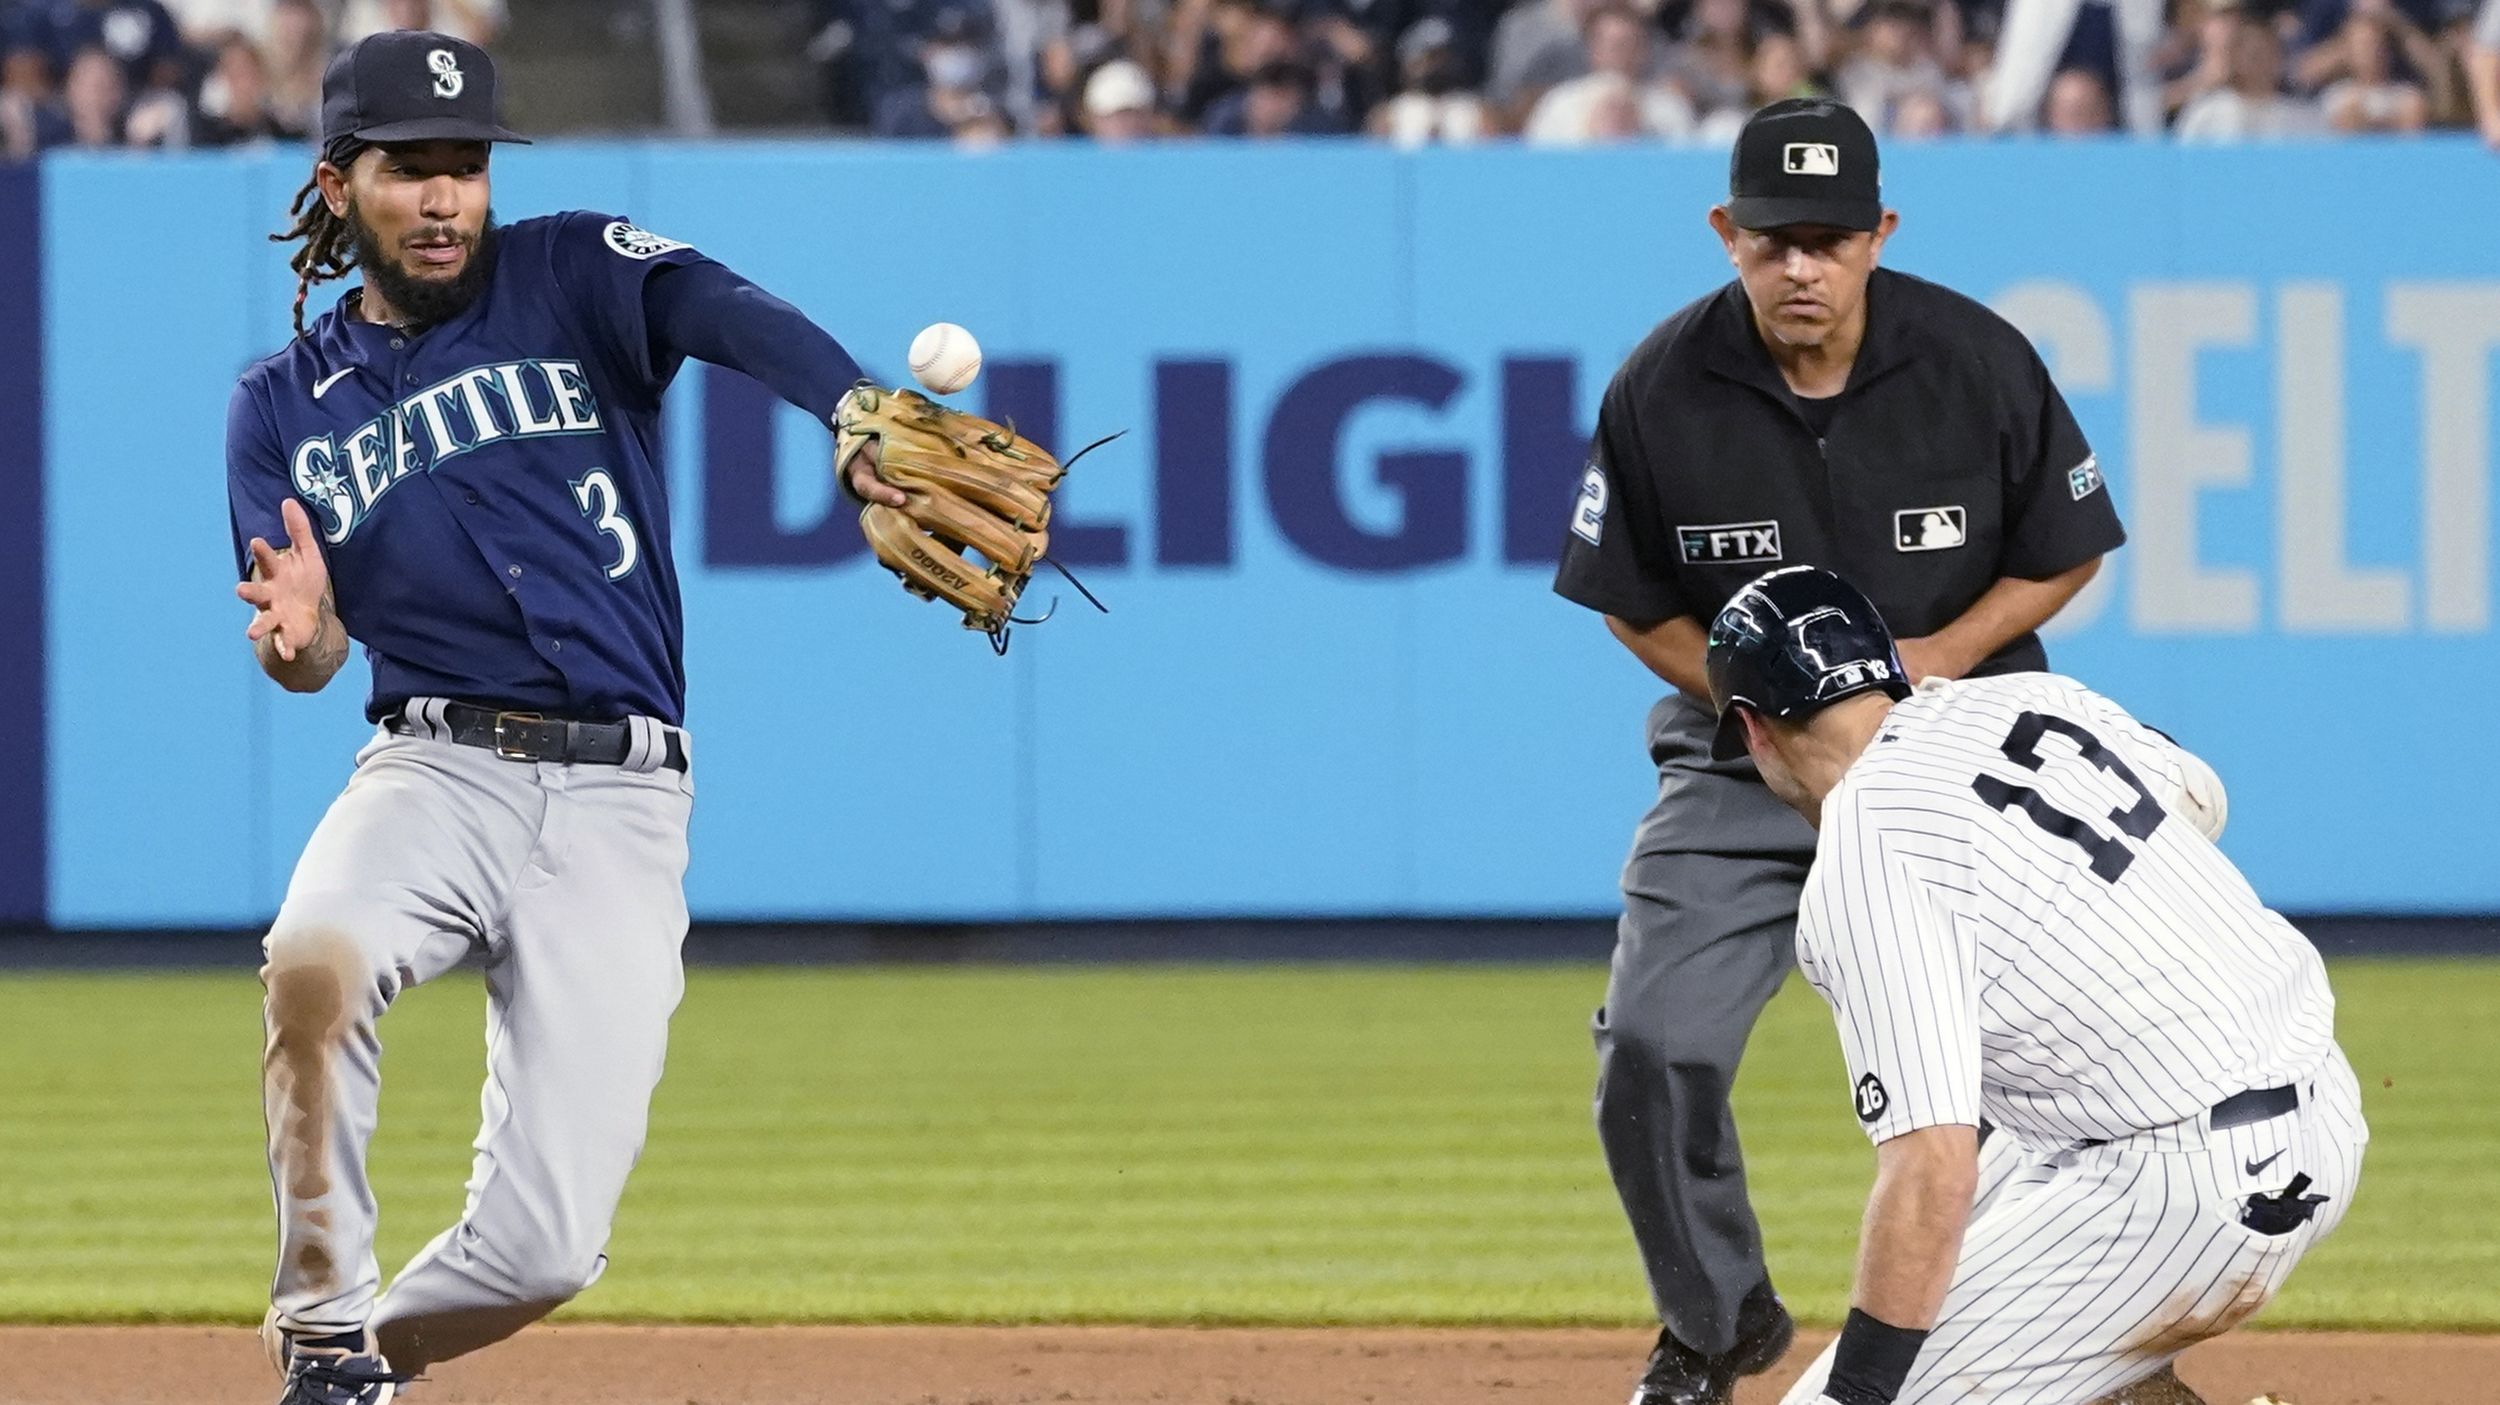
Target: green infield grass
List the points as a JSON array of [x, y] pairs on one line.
[[1154, 1144]]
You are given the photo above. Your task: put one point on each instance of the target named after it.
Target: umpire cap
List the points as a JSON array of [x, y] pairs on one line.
[[409, 85], [1792, 643], [1805, 161]]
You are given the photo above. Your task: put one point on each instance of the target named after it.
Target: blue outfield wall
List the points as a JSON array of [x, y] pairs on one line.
[[1358, 383]]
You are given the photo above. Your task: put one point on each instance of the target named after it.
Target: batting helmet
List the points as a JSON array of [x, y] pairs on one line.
[[1791, 643]]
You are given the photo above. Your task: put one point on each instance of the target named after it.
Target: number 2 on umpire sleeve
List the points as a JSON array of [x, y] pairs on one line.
[[597, 495], [2109, 853], [1588, 516]]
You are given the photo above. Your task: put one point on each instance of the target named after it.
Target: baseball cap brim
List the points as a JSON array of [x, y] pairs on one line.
[[438, 129], [1780, 211]]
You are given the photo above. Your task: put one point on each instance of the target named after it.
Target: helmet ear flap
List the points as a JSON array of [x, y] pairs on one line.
[[1728, 742]]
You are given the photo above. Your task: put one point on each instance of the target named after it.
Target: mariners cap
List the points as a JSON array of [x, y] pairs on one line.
[[1792, 643], [1805, 161], [411, 85]]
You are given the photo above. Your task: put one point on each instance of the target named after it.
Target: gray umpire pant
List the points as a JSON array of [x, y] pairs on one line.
[[1708, 933]]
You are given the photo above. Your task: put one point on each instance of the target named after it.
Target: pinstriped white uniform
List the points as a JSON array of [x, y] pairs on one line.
[[2012, 922]]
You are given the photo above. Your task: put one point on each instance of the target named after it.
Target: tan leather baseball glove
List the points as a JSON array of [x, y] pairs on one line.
[[971, 486]]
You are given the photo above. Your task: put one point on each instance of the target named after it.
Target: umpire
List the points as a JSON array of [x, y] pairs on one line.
[[1816, 410]]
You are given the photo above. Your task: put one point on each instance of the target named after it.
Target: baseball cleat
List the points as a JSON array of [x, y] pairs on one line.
[[340, 1370]]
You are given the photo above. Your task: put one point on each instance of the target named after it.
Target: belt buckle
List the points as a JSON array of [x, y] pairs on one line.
[[504, 749]]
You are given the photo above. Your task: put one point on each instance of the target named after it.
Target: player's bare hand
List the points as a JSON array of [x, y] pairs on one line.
[[288, 587], [865, 484], [1930, 657]]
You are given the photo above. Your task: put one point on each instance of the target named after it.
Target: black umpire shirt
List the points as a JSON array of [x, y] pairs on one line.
[[1948, 462]]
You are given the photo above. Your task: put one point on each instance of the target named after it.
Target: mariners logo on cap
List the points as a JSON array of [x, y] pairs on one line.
[[1810, 158], [448, 79]]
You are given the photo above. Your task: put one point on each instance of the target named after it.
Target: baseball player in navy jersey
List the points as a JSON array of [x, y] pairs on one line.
[[460, 463], [2102, 1079]]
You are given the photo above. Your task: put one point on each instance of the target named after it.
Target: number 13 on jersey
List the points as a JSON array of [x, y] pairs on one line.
[[596, 494]]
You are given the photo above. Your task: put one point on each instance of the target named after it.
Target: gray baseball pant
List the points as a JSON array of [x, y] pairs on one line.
[[566, 882], [1707, 935]]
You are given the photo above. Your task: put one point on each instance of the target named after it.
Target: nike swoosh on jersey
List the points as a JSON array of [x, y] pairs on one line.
[[322, 386], [2253, 1167]]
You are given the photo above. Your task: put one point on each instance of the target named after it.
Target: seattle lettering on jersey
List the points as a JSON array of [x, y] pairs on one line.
[[345, 475]]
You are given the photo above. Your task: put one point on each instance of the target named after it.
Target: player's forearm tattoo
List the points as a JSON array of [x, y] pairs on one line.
[[327, 650], [317, 660]]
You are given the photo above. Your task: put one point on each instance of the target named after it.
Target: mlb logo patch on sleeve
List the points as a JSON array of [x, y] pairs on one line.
[[2084, 479], [636, 243]]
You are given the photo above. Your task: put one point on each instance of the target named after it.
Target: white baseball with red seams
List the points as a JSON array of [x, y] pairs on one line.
[[945, 358]]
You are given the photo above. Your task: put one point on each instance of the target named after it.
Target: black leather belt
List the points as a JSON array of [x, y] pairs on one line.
[[528, 736], [2255, 1105]]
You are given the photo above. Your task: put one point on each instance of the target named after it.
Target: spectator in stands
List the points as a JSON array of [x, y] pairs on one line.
[[1277, 103], [95, 97], [2316, 27], [2370, 97], [1350, 64], [980, 124], [208, 24], [478, 21], [1432, 104], [1061, 72], [2078, 105], [1536, 45], [1621, 62], [1778, 71], [2401, 47], [1027, 31], [1216, 46], [25, 66], [31, 117], [952, 94], [1711, 60], [1922, 116], [234, 101], [294, 54], [2207, 63], [137, 34], [1895, 59], [2251, 103], [2482, 70], [1119, 104], [2119, 38]]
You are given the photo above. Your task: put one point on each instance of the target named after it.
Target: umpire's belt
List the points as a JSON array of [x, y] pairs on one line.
[[637, 743], [2255, 1105]]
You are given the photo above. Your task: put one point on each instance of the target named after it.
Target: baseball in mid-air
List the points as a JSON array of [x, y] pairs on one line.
[[944, 357]]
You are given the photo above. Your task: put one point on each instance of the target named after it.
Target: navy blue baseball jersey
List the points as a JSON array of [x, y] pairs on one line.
[[488, 490]]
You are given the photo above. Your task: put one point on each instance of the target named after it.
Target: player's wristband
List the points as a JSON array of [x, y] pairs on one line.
[[1871, 1361]]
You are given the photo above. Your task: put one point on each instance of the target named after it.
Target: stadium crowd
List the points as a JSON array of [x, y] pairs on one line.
[[177, 73]]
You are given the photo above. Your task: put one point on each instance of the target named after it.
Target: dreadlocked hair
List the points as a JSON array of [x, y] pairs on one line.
[[329, 247]]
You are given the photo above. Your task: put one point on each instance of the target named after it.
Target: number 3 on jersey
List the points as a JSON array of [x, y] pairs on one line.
[[597, 495]]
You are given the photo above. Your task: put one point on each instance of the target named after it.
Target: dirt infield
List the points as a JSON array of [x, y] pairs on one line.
[[1110, 1366]]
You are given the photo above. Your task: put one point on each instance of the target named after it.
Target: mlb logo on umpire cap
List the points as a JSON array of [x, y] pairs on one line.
[[1805, 161], [1811, 158]]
